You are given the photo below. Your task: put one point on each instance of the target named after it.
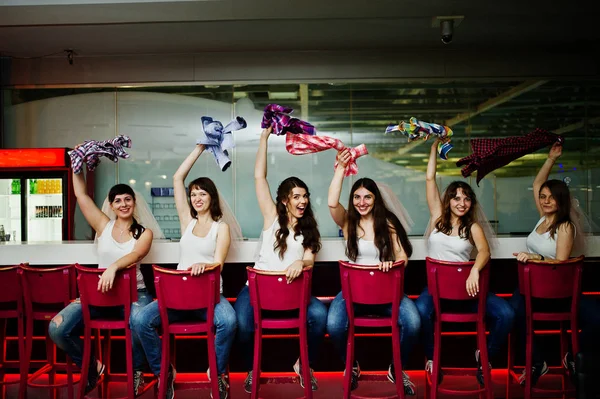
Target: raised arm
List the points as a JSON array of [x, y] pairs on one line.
[[263, 192], [139, 252], [94, 216], [337, 211], [433, 196], [181, 202], [483, 256], [542, 176]]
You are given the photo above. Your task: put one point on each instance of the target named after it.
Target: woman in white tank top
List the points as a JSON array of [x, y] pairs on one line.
[[374, 236], [553, 238], [290, 242], [455, 233], [120, 243], [206, 239]]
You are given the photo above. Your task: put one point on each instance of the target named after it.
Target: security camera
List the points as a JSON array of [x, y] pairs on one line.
[[447, 28]]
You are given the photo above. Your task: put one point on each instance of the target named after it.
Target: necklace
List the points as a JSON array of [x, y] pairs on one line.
[[121, 230]]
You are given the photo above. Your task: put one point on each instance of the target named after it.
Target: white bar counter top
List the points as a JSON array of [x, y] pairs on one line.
[[166, 251]]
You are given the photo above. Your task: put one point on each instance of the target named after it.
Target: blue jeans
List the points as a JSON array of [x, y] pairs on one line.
[[67, 334], [316, 321], [148, 320], [499, 319], [337, 323], [589, 322]]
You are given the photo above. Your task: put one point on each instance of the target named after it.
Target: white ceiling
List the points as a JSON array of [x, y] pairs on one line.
[[271, 25]]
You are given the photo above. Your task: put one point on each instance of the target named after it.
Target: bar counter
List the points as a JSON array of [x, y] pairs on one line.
[[166, 251]]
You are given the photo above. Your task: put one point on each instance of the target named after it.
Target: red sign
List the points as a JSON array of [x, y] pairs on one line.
[[32, 157]]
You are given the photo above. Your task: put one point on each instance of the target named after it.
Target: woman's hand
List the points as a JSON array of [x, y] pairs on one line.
[[385, 266], [294, 270], [197, 268], [266, 132], [107, 279], [343, 158], [473, 282], [526, 256], [555, 151]]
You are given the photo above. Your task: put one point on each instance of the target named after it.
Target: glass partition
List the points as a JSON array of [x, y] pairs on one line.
[[164, 124]]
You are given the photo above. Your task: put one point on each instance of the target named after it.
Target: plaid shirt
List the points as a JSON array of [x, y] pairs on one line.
[[91, 150], [299, 144], [277, 117], [491, 154], [218, 138]]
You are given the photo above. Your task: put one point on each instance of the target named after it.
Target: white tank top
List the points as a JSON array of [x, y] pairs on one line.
[[541, 244], [194, 249], [109, 251], [268, 257], [368, 254], [448, 248]]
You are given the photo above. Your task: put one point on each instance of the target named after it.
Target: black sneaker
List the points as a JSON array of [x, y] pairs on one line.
[[480, 378], [298, 371], [537, 370], [222, 383], [429, 369], [409, 386], [170, 392], [248, 382], [138, 382], [93, 376], [569, 364], [355, 376]]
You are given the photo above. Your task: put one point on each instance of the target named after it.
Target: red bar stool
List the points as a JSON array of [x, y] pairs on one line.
[[549, 280], [447, 281], [123, 293], [270, 291], [179, 290], [368, 285], [47, 291], [11, 307]]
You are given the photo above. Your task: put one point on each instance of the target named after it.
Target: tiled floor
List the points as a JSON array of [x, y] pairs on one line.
[[330, 387]]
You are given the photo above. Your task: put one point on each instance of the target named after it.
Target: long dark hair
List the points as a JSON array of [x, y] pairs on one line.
[[306, 225], [444, 222], [562, 196], [136, 229], [204, 183], [382, 218]]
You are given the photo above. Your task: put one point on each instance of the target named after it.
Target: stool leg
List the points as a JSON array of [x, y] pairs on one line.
[[528, 356], [25, 356], [85, 363], [69, 365], [563, 350], [437, 348], [349, 363], [483, 352], [509, 362], [22, 353], [50, 356], [212, 362], [129, 348], [257, 361], [397, 360], [164, 364], [2, 350], [305, 362]]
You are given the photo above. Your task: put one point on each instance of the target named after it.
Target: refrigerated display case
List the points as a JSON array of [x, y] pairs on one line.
[[37, 202]]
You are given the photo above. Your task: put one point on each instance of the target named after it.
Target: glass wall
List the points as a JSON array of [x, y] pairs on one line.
[[164, 124]]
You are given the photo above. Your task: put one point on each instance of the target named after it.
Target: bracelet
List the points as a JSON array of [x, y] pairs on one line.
[[542, 257]]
